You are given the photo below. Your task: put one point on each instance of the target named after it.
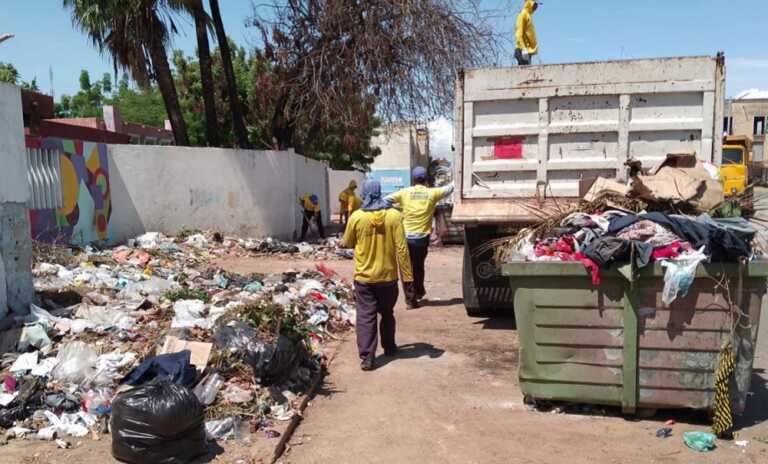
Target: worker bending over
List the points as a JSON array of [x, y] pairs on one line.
[[310, 205], [526, 44], [376, 233], [344, 201], [418, 204]]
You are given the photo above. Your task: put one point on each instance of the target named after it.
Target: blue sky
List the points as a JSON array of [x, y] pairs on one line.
[[569, 31]]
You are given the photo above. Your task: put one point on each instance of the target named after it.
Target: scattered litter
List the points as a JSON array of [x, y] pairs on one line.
[[271, 434], [741, 443], [665, 432], [158, 311], [699, 441]]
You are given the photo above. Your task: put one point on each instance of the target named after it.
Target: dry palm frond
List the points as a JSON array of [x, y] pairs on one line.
[[551, 218]]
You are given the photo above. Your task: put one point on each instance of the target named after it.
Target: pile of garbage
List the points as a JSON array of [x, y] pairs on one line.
[[633, 225], [323, 250], [151, 342]]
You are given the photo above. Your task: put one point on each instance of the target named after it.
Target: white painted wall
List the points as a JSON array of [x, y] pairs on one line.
[[243, 192], [398, 148], [13, 161], [338, 181]]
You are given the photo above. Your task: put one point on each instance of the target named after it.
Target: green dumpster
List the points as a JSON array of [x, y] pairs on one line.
[[616, 343]]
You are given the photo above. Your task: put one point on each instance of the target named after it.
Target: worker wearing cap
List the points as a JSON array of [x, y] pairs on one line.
[[376, 233], [418, 204], [526, 44], [310, 205], [344, 202]]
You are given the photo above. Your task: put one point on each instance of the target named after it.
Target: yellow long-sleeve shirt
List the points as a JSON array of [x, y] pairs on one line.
[[380, 246], [353, 203], [418, 204]]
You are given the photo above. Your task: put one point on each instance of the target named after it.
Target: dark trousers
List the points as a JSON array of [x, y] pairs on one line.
[[418, 249], [372, 300], [306, 219], [521, 61]]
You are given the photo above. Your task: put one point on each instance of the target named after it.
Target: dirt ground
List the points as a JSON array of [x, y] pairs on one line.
[[451, 396]]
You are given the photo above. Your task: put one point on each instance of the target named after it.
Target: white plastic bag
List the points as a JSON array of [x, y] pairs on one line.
[[189, 313], [679, 275], [76, 363]]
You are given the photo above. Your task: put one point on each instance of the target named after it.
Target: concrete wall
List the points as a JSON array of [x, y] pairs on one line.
[[398, 148], [338, 181], [15, 241], [243, 192], [744, 113], [81, 174]]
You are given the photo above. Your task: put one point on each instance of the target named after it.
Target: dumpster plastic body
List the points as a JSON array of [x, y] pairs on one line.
[[616, 343]]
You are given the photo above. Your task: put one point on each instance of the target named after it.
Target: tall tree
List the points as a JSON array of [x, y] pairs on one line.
[[206, 74], [334, 57], [226, 58], [135, 33]]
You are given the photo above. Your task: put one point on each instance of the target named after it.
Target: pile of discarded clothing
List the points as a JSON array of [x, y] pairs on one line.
[[611, 235], [139, 337]]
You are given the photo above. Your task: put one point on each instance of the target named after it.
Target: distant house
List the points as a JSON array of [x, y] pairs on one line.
[[40, 121]]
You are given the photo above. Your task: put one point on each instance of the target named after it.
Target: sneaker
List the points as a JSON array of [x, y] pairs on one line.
[[367, 364], [411, 304], [391, 351]]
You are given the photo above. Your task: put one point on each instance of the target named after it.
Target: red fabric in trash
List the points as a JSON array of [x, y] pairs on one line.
[[670, 251], [325, 270], [592, 266]]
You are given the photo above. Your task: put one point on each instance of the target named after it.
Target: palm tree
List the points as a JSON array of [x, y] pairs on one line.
[[226, 60], [197, 10], [135, 33]]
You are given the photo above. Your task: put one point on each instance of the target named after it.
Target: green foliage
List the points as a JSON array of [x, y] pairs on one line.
[[8, 73], [187, 294]]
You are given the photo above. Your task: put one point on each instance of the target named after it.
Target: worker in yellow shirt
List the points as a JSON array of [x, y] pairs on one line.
[[418, 204], [310, 205], [376, 233], [344, 201], [353, 204], [526, 44]]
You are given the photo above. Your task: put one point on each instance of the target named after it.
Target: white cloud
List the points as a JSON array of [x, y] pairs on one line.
[[746, 75], [440, 138]]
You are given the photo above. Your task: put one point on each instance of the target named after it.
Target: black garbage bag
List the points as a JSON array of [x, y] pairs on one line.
[[271, 362], [158, 423]]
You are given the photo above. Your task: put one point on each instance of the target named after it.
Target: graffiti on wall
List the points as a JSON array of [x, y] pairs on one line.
[[85, 210]]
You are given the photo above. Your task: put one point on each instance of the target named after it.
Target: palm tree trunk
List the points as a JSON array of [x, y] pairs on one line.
[[226, 59], [206, 75], [164, 77]]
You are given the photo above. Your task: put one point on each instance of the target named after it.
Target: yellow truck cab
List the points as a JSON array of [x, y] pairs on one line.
[[734, 172]]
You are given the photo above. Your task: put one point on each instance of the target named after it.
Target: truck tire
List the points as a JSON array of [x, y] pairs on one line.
[[469, 291]]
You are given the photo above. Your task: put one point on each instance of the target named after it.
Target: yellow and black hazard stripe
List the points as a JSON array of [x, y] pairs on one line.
[[722, 418]]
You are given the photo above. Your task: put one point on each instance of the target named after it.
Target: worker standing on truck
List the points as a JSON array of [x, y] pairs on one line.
[[526, 44], [310, 205], [376, 233], [344, 201], [418, 204]]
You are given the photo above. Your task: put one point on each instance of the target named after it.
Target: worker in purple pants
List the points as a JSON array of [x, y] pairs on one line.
[[377, 235]]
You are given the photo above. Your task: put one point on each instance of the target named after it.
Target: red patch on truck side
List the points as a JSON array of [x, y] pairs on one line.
[[508, 148]]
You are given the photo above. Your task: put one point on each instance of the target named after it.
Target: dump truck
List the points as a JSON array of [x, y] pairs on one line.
[[529, 138]]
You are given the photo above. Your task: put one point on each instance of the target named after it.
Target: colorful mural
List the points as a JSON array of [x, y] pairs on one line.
[[86, 209]]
